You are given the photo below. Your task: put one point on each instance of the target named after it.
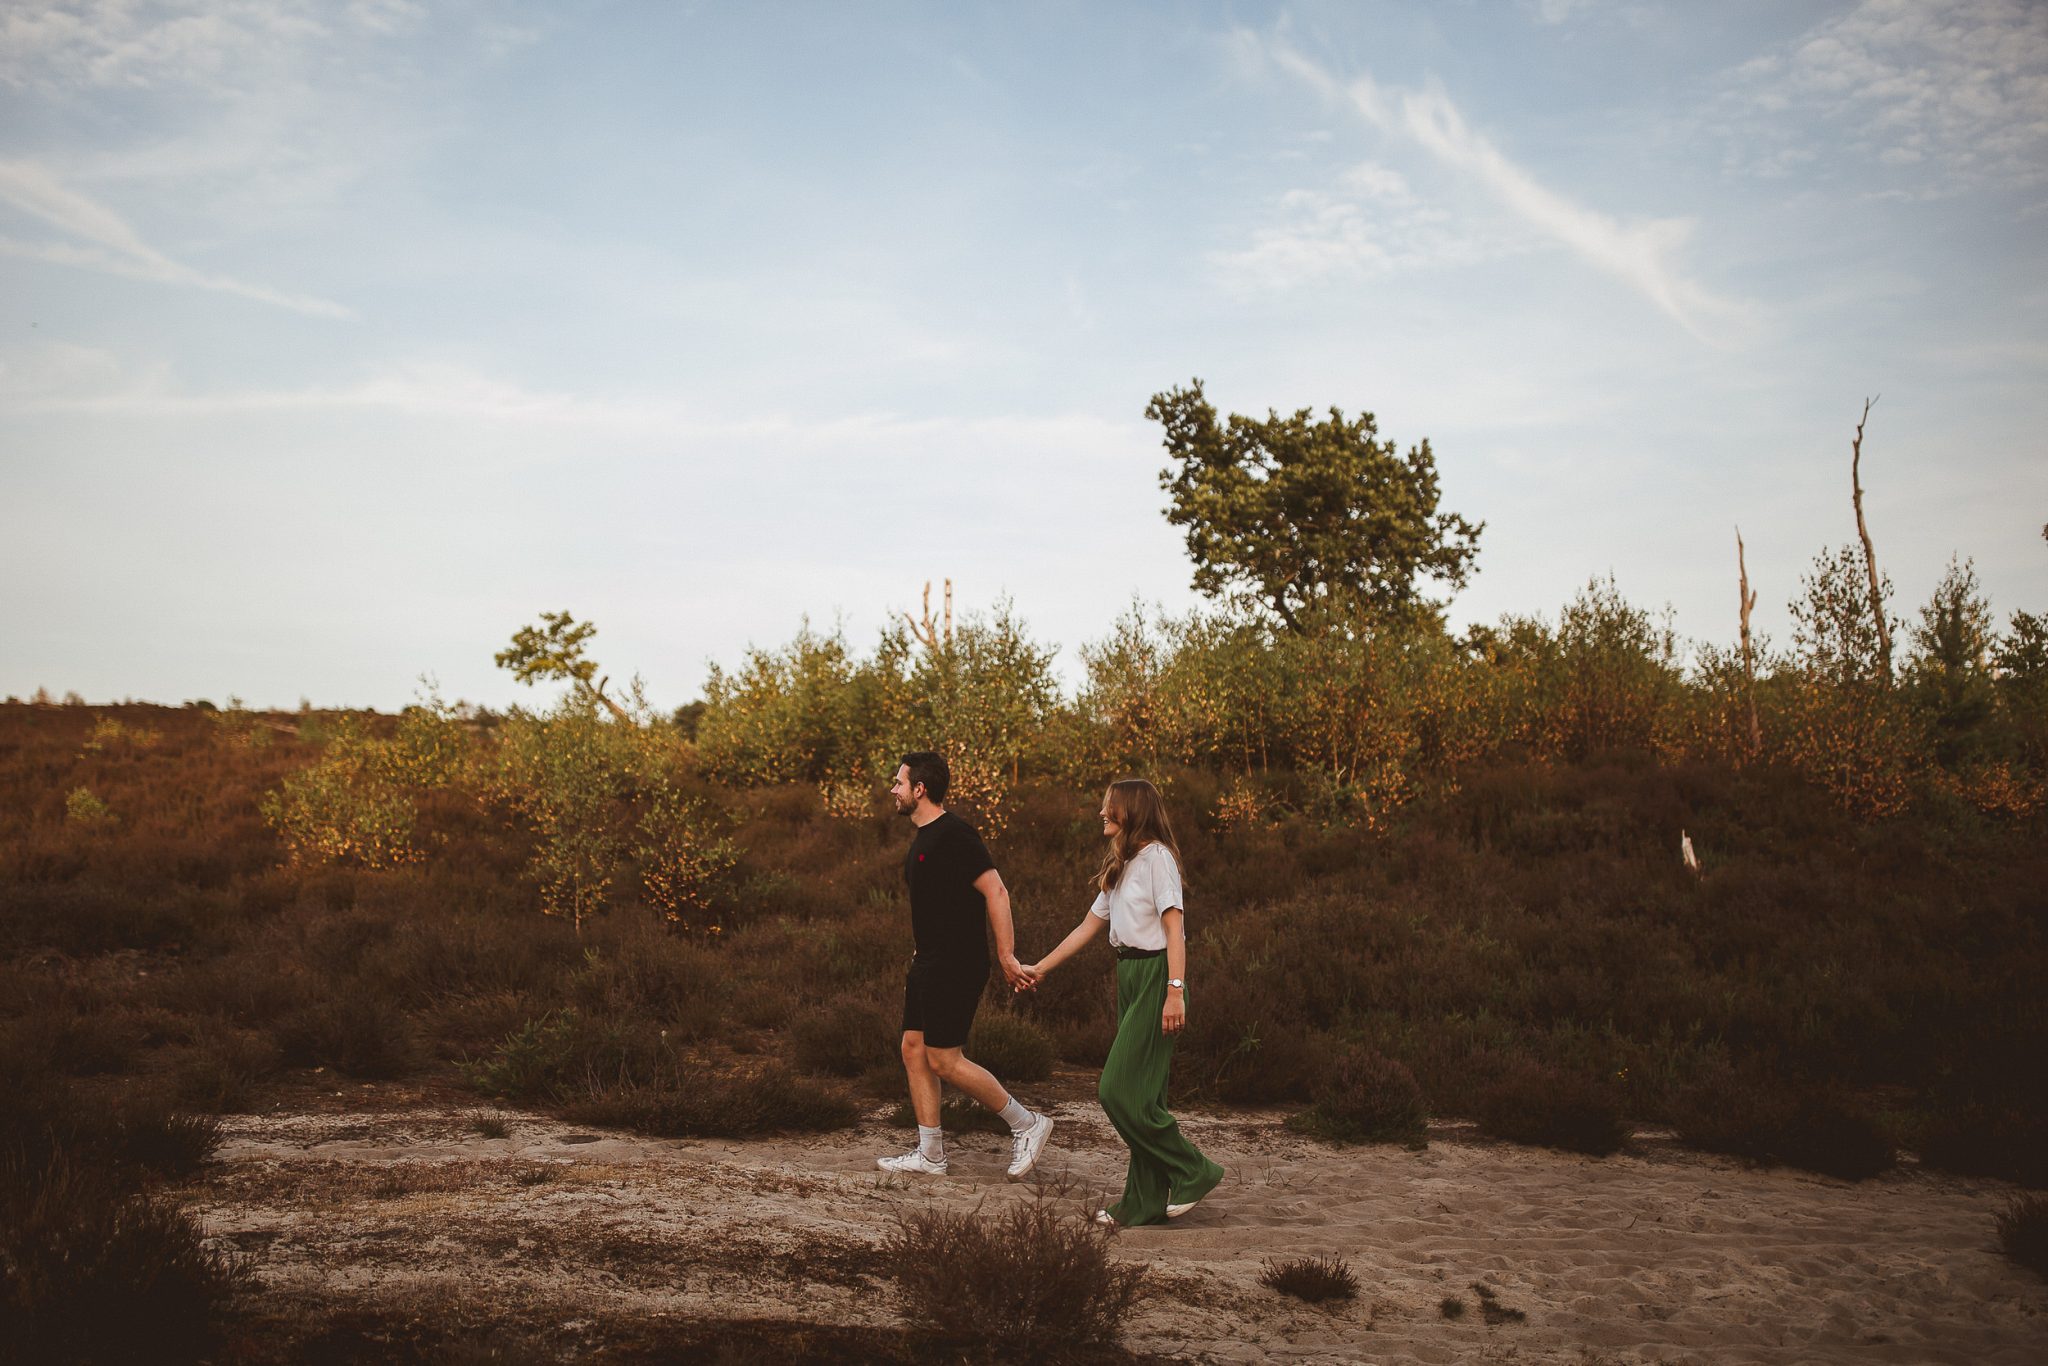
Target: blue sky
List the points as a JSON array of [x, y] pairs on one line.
[[340, 340]]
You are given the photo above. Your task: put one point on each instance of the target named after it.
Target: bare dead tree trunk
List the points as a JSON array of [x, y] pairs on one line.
[[1748, 598], [1884, 630], [618, 714], [935, 638]]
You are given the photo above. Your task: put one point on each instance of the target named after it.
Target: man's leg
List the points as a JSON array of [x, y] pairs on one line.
[[924, 1082], [952, 1066]]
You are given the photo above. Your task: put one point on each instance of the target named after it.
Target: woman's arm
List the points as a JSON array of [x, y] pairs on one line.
[[1090, 926], [1175, 1016]]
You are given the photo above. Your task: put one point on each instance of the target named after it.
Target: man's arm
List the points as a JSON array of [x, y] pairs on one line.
[[990, 885]]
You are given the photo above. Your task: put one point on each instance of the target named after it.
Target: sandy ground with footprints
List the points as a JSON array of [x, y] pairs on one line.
[[1661, 1255]]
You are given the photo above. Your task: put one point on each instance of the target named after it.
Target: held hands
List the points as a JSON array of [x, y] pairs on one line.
[[1174, 1018], [1020, 976]]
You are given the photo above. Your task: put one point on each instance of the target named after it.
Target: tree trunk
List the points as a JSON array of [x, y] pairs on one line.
[[1748, 598], [1884, 630]]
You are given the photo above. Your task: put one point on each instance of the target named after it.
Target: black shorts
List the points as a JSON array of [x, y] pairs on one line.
[[940, 999]]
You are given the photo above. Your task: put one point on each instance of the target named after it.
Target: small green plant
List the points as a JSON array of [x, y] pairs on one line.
[[533, 1061], [83, 807], [489, 1126], [1314, 1279]]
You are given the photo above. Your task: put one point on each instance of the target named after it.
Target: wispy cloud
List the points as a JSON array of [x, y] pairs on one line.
[[1948, 94], [1368, 222], [1643, 255], [99, 239]]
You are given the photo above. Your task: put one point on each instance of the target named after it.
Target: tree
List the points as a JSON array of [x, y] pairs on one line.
[[1951, 664], [1304, 515], [554, 650]]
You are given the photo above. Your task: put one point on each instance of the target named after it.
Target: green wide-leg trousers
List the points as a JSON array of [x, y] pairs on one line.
[[1164, 1165]]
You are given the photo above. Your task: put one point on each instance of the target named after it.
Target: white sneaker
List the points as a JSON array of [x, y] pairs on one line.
[[1176, 1211], [913, 1161], [1025, 1147], [1103, 1216]]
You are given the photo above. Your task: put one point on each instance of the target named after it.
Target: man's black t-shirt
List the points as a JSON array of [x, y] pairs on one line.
[[947, 915]]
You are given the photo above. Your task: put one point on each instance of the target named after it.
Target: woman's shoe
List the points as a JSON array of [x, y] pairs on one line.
[[1104, 1217]]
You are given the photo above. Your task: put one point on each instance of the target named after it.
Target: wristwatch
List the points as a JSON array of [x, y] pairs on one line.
[[1177, 983]]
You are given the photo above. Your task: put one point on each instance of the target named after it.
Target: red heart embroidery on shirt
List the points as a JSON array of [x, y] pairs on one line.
[[920, 858]]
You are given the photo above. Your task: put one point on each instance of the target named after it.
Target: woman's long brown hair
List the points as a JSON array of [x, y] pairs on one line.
[[1141, 819]]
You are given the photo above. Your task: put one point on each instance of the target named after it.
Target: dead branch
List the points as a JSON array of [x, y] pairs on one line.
[[1884, 630], [1748, 599]]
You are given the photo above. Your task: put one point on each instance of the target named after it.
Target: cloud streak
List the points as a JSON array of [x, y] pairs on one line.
[[99, 239], [1644, 256]]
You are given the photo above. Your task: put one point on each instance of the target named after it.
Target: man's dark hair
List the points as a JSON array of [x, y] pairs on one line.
[[928, 768]]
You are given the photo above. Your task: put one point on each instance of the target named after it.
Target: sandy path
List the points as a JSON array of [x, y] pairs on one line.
[[1665, 1256]]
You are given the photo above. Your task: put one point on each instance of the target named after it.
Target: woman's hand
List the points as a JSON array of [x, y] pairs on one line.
[[1027, 977], [1174, 1018]]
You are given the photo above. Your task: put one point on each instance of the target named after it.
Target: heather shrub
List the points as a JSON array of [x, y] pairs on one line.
[[1028, 1283], [97, 1272], [1314, 1279], [1367, 1098], [357, 1035], [1976, 1139], [1753, 1115], [714, 1105], [1532, 1103], [220, 1073], [1010, 1046], [845, 1037], [2023, 1231]]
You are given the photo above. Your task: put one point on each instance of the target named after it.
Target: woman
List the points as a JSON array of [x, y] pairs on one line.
[[1139, 897]]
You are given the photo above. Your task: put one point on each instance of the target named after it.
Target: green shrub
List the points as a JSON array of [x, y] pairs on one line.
[[1029, 1283], [1367, 1098], [82, 807], [1532, 1103], [534, 1061]]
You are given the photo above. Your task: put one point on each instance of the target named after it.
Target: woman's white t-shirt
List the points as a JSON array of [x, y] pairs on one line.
[[1149, 887]]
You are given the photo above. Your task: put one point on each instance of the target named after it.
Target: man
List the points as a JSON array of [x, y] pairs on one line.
[[953, 885]]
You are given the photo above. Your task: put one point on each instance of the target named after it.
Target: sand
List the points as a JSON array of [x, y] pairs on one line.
[[1659, 1255]]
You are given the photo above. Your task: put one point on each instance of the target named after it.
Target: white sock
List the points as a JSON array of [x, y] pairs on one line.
[[932, 1142], [1017, 1117]]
